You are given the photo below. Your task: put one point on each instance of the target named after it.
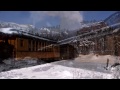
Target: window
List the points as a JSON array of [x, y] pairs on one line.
[[29, 45], [21, 43], [39, 45], [36, 45], [33, 45], [43, 46]]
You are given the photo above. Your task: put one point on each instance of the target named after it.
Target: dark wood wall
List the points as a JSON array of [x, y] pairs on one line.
[[67, 51], [36, 48], [32, 47]]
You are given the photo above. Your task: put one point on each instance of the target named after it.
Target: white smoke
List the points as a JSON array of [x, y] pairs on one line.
[[48, 24], [68, 19]]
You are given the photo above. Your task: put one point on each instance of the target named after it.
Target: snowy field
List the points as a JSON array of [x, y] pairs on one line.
[[54, 71], [80, 68]]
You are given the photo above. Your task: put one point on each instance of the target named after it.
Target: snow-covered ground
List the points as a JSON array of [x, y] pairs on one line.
[[84, 67], [98, 58], [54, 71]]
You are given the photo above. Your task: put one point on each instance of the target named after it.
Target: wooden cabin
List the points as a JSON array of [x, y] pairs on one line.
[[23, 45], [27, 45]]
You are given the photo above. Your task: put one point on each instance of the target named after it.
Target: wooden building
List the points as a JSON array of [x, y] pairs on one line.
[[19, 44], [27, 45]]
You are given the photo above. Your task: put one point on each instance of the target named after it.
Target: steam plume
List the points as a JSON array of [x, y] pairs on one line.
[[68, 19]]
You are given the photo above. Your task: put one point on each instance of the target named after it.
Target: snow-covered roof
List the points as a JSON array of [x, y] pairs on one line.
[[8, 30], [11, 31]]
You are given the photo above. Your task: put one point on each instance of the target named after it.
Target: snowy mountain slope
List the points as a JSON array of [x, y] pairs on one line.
[[113, 19], [21, 32], [90, 24], [53, 33], [56, 33], [45, 32], [16, 26]]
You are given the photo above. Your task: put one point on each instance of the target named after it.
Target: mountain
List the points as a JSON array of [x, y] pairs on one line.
[[25, 28], [113, 19], [56, 33], [46, 32]]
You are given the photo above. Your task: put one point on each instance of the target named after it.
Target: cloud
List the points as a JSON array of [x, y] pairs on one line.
[[67, 19]]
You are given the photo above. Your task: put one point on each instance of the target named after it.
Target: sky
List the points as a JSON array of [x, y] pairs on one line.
[[49, 19]]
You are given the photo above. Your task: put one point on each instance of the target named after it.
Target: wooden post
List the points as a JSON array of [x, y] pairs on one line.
[[107, 63]]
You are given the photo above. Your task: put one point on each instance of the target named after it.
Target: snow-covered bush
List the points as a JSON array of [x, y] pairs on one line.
[[116, 72], [115, 68]]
